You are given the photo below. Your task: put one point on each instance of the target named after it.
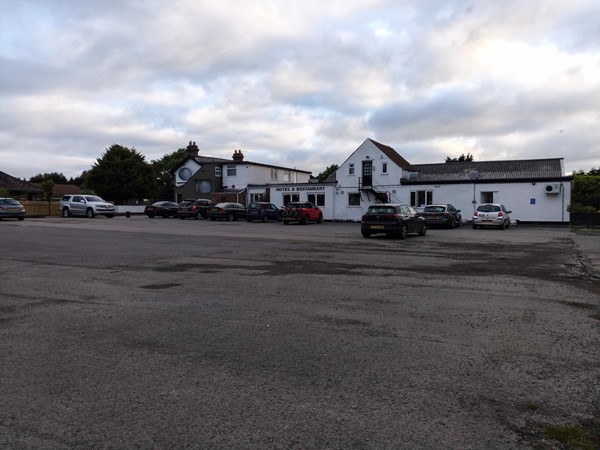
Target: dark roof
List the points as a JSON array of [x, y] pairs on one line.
[[209, 159], [511, 170], [11, 183], [393, 155], [58, 190]]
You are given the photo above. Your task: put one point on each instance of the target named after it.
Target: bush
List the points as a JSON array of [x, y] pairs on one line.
[[579, 208]]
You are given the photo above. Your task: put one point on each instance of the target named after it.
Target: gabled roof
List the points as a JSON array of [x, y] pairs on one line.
[[393, 155], [11, 183], [470, 171]]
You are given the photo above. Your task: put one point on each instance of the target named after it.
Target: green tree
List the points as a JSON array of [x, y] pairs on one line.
[[327, 172], [163, 172], [48, 187], [121, 174], [57, 178], [586, 190], [462, 158], [4, 192]]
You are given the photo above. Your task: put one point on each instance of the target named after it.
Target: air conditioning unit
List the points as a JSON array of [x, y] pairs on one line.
[[553, 188]]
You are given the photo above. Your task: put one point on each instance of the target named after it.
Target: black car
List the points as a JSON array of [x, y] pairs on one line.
[[195, 209], [229, 211], [263, 211], [163, 209], [392, 219], [443, 214]]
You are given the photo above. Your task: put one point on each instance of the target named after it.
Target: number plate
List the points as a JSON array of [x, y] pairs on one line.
[[376, 227]]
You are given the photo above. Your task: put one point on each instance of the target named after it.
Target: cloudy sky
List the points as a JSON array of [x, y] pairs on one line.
[[298, 84]]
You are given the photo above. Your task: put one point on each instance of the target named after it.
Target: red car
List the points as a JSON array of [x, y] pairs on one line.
[[302, 212]]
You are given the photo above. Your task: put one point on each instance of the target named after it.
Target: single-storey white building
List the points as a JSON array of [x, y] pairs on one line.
[[535, 190]]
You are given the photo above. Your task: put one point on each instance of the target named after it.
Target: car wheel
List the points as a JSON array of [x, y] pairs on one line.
[[451, 223], [183, 218], [320, 219], [423, 231], [21, 218], [365, 234], [403, 231], [285, 222], [265, 218], [110, 216], [89, 213], [474, 226], [304, 221], [65, 212], [151, 216], [230, 217], [503, 226], [213, 218]]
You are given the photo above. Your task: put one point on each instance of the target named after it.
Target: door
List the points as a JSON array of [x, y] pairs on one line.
[[367, 174]]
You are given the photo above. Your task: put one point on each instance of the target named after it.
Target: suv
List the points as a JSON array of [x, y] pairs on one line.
[[9, 207], [491, 215], [302, 212], [85, 205], [263, 211], [195, 209]]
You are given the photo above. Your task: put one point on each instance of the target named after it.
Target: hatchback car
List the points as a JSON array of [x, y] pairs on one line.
[[491, 215], [443, 214], [392, 219], [11, 209], [163, 209], [263, 211], [225, 210], [195, 209]]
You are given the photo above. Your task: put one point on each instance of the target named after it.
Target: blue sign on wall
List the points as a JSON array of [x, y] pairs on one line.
[[532, 201]]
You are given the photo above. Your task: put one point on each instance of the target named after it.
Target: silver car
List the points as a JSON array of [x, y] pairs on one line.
[[491, 215]]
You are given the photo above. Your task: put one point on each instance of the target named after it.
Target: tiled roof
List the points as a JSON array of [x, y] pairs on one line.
[[393, 155], [529, 169], [11, 183], [58, 190]]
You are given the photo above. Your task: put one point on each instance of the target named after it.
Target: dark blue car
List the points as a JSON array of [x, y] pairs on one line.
[[262, 211]]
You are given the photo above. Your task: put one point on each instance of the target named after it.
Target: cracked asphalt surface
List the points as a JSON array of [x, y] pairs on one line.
[[163, 333]]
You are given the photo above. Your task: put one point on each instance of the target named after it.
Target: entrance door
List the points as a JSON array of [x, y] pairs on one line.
[[367, 174]]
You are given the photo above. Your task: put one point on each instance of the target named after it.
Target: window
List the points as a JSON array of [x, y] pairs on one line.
[[203, 187], [351, 169], [421, 198], [487, 197], [384, 168], [218, 171], [286, 177], [353, 199], [256, 197], [231, 171], [273, 174], [382, 197], [317, 199], [289, 198]]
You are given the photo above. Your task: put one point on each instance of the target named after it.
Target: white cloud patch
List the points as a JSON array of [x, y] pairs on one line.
[[297, 84]]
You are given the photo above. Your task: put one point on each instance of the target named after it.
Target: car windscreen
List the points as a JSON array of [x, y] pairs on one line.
[[381, 210], [93, 198], [488, 208]]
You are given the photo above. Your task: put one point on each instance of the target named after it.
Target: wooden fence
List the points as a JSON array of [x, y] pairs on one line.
[[40, 208]]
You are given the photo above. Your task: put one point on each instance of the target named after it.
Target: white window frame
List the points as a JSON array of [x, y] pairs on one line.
[[351, 169], [232, 171]]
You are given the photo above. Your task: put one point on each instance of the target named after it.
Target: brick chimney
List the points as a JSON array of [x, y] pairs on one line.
[[238, 156], [192, 149]]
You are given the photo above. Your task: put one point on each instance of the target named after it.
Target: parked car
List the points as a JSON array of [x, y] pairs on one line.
[[443, 214], [85, 205], [302, 212], [263, 211], [225, 210], [491, 215], [11, 208], [163, 209], [392, 219], [194, 208]]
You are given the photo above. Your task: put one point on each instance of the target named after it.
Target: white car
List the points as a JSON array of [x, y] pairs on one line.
[[491, 215], [85, 205]]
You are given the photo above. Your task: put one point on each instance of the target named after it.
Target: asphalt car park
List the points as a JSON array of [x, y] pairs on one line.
[[136, 333]]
